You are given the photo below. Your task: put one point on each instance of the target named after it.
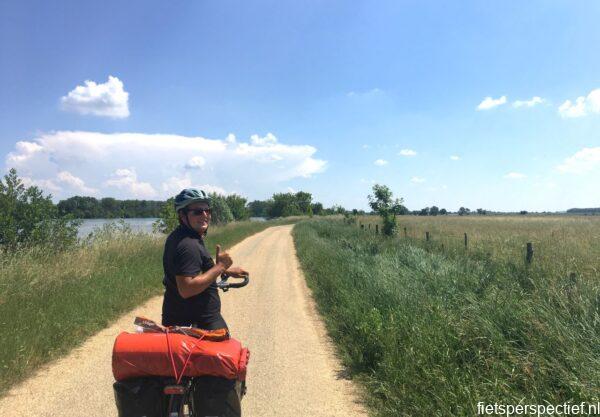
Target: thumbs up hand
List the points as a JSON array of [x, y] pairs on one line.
[[223, 259]]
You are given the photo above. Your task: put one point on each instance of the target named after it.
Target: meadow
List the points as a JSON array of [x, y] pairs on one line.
[[431, 329], [52, 301], [562, 244]]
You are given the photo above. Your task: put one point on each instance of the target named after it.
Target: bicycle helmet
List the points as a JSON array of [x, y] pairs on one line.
[[189, 196]]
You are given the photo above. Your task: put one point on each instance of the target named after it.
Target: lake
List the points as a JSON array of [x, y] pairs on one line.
[[137, 225]]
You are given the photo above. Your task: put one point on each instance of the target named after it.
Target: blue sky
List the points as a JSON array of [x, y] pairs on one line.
[[327, 97]]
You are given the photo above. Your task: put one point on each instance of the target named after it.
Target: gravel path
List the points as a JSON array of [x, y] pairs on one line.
[[292, 372]]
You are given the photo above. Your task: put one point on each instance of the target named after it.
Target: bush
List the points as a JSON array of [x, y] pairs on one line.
[[28, 218], [168, 220]]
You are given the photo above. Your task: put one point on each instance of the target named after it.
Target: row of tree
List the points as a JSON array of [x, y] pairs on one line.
[[109, 208]]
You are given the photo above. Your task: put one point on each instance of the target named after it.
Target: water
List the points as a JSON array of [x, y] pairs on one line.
[[137, 225]]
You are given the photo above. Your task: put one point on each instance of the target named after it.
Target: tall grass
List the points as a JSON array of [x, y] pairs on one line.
[[51, 301], [432, 333], [562, 244]]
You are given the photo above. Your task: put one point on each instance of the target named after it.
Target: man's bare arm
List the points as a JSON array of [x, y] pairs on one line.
[[190, 286]]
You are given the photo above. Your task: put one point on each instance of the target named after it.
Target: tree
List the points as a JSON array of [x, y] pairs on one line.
[[284, 205], [383, 203], [443, 212], [481, 212], [317, 209], [27, 217], [221, 213], [237, 205], [463, 211], [424, 212], [434, 211], [338, 209], [167, 218], [259, 208], [304, 201]]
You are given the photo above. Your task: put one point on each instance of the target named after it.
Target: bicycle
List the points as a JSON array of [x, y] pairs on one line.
[[138, 393]]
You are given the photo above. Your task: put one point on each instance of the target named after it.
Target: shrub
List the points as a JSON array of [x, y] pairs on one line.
[[168, 221], [28, 218]]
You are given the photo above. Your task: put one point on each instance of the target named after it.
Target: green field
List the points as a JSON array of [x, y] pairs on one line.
[[51, 302], [432, 329], [562, 244]]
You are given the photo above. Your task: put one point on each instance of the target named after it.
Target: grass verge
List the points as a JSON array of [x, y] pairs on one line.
[[432, 334], [51, 302]]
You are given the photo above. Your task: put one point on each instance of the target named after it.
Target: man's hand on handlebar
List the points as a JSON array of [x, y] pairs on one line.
[[236, 272]]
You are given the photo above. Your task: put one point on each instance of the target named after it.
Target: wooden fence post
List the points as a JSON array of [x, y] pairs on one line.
[[427, 236], [369, 226], [405, 234], [376, 229], [466, 241], [362, 227], [529, 256]]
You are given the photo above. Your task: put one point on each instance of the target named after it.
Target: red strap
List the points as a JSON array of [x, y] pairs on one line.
[[185, 364]]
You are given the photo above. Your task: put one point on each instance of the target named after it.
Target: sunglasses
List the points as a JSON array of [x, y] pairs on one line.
[[198, 212]]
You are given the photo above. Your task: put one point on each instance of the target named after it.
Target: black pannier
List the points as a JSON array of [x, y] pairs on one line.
[[140, 397], [215, 396]]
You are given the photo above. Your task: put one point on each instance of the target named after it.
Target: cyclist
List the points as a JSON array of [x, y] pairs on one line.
[[191, 297]]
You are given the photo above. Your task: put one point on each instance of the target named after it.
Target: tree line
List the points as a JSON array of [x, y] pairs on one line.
[[82, 207]]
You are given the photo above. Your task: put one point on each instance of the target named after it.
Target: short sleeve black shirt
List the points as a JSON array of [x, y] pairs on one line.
[[185, 254]]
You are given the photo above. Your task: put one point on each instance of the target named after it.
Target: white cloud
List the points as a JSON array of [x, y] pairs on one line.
[[490, 103], [174, 185], [528, 103], [48, 186], [108, 99], [583, 161], [268, 140], [127, 165], [381, 162], [127, 179], [75, 183], [366, 146], [407, 152], [455, 157], [417, 180], [515, 176], [582, 106], [195, 162]]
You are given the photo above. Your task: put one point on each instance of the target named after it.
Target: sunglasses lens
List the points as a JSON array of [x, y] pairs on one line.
[[198, 212]]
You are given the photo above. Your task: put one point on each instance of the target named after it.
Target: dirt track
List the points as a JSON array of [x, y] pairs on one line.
[[292, 370]]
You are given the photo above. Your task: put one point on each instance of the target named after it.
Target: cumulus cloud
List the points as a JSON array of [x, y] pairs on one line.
[[108, 99], [126, 165], [407, 152], [582, 105], [583, 161], [417, 180], [515, 176], [381, 162], [454, 157], [528, 103], [196, 162], [74, 183], [127, 180], [490, 103]]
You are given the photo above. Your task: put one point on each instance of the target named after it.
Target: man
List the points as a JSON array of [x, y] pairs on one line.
[[191, 295]]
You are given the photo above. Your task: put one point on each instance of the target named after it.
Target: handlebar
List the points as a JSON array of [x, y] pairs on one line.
[[225, 285]]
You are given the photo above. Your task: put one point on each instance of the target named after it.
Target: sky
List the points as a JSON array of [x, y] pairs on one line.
[[492, 105]]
